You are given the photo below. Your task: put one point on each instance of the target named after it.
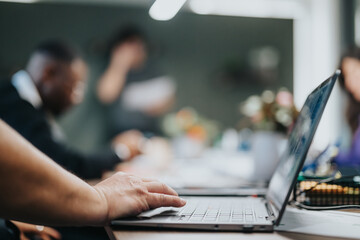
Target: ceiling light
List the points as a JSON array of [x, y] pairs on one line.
[[19, 1], [286, 9], [164, 10]]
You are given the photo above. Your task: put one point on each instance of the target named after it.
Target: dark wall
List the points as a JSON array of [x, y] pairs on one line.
[[198, 51]]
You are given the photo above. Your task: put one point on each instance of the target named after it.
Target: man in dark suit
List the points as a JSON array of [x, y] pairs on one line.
[[52, 82]]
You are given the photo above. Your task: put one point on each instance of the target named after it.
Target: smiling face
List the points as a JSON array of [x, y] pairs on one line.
[[351, 71]]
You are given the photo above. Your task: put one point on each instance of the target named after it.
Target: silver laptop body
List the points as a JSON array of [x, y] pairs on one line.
[[248, 214]]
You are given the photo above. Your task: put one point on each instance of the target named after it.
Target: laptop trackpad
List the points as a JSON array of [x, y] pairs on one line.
[[162, 211]]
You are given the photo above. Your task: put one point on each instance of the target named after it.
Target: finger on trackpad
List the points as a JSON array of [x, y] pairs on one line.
[[158, 211]]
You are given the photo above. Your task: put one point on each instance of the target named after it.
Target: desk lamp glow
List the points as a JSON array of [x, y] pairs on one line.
[[164, 10]]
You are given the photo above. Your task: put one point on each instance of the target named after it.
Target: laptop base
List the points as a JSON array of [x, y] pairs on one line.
[[244, 214]]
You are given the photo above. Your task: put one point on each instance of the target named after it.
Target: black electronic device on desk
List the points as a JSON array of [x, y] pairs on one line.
[[322, 185], [334, 191]]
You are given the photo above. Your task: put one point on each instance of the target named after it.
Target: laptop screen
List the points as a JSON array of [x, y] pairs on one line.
[[291, 162]]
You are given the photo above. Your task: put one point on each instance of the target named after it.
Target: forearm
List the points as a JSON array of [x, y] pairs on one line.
[[36, 189], [111, 84]]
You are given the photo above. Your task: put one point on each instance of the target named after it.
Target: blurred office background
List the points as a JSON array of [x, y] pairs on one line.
[[219, 52]]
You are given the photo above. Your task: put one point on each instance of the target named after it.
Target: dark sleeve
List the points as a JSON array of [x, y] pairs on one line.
[[352, 156], [32, 124], [8, 231]]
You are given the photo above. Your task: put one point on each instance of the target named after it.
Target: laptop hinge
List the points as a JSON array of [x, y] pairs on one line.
[[271, 213]]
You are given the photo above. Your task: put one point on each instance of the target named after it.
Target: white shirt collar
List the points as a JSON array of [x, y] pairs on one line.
[[26, 88], [28, 92]]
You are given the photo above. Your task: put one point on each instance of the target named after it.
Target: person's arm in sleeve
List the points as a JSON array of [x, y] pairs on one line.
[[32, 125], [351, 157], [35, 189], [87, 166]]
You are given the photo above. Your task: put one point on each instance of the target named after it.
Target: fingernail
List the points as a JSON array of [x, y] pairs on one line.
[[183, 201]]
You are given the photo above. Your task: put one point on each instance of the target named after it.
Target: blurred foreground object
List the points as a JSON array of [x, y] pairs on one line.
[[30, 231]]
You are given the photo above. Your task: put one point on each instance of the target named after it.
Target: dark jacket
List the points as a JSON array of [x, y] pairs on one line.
[[8, 231], [32, 124]]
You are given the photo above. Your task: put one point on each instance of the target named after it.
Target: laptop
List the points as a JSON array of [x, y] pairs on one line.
[[248, 214]]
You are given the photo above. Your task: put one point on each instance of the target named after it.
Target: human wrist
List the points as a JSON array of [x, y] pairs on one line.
[[88, 206], [116, 76], [119, 66], [100, 206]]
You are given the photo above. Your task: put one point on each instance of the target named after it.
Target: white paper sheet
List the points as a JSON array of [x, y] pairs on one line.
[[325, 223], [150, 93]]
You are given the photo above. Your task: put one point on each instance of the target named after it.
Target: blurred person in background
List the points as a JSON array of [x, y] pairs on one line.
[[51, 83], [350, 82], [36, 190], [127, 80]]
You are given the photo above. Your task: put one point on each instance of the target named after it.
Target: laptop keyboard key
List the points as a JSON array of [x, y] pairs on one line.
[[224, 219], [209, 219], [196, 219], [237, 220], [249, 218], [184, 218]]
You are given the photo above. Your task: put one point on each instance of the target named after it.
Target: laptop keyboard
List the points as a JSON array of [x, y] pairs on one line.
[[239, 211]]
